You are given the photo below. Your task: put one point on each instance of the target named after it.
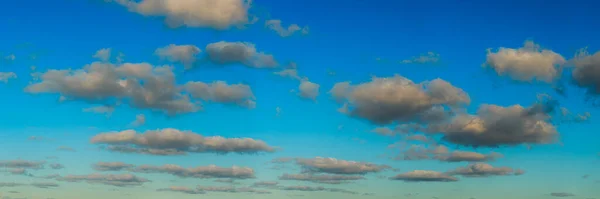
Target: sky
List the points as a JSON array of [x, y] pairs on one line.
[[315, 99]]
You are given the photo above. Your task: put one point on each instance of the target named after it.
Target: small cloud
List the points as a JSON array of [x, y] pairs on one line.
[[106, 110], [424, 176], [428, 58], [308, 90], [103, 54], [562, 194], [140, 119], [275, 25], [65, 148], [5, 76]]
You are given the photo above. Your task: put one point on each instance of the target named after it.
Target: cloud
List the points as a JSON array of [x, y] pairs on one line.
[[586, 73], [5, 76], [482, 170], [106, 110], [430, 57], [325, 179], [265, 184], [211, 171], [142, 85], [424, 176], [44, 185], [65, 148], [111, 166], [289, 72], [182, 141], [275, 25], [562, 194], [10, 57], [18, 171], [103, 54], [180, 189], [313, 189], [230, 189], [25, 164], [119, 180], [140, 119], [467, 156], [277, 111], [497, 125], [184, 54], [221, 92], [308, 90], [526, 63], [386, 100], [226, 53], [57, 166], [383, 131], [335, 166], [443, 154], [217, 14]]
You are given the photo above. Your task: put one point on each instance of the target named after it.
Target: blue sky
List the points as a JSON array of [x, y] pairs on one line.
[[351, 41]]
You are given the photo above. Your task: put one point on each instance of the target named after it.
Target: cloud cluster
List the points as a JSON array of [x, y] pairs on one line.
[[275, 25], [119, 180], [527, 63], [424, 176], [184, 54], [221, 92], [484, 170], [443, 154], [397, 99], [211, 171], [217, 14], [335, 166], [5, 76], [174, 141], [586, 73], [226, 53]]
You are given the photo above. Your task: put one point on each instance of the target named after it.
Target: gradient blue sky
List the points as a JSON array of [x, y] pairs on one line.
[[357, 39]]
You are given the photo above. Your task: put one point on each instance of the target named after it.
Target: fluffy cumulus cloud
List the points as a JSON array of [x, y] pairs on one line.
[[398, 99], [119, 180], [5, 76], [141, 84], [221, 92], [217, 14], [424, 176], [210, 171], [335, 166], [276, 26], [226, 53], [325, 179], [494, 125], [184, 54], [527, 63], [308, 90], [483, 170], [176, 141], [586, 73]]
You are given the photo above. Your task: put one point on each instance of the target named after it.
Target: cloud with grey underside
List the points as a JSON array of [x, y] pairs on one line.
[[177, 142], [119, 180]]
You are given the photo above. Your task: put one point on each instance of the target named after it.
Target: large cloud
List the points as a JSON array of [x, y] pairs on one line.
[[526, 63], [141, 84], [483, 170], [496, 125], [184, 54], [210, 171], [225, 53], [335, 166], [174, 140], [217, 14], [221, 92], [385, 100], [120, 180], [325, 179], [587, 71], [424, 176]]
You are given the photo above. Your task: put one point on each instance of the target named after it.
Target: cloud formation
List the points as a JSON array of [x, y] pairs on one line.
[[226, 53], [181, 189], [217, 14], [211, 171], [119, 180], [527, 63], [308, 90], [324, 179], [221, 92], [175, 140], [25, 164], [111, 166], [184, 54], [5, 76], [483, 170], [430, 57], [586, 73], [397, 99], [103, 54], [424, 176], [276, 26], [335, 166]]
